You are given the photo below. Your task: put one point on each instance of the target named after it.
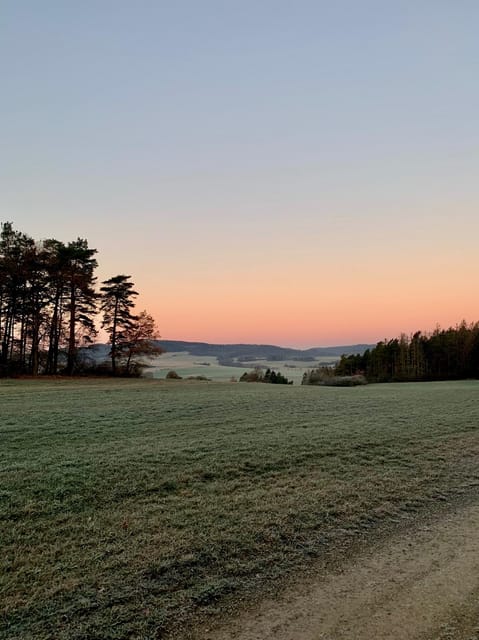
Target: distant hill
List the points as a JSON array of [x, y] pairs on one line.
[[236, 354], [247, 352]]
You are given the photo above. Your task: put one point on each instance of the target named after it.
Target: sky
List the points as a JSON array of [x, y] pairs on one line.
[[297, 173]]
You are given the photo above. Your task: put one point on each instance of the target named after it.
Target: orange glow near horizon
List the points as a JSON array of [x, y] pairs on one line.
[[361, 285], [291, 310]]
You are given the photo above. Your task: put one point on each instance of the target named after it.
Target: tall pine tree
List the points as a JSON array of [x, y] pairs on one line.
[[117, 295]]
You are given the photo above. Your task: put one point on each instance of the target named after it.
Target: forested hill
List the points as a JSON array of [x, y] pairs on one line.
[[248, 352]]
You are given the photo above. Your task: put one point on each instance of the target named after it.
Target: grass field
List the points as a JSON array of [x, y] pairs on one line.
[[186, 365], [129, 508]]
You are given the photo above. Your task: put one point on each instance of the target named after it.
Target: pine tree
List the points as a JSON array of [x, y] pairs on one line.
[[79, 265], [117, 295], [14, 276]]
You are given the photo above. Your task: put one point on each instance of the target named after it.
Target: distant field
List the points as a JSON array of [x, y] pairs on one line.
[[190, 365], [186, 365], [127, 507]]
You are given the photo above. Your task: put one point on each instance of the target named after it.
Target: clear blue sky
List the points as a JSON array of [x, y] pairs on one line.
[[249, 160]]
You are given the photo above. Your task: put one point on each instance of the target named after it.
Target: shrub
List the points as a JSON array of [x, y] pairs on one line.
[[256, 375], [270, 376], [172, 375], [325, 376], [318, 376], [346, 381]]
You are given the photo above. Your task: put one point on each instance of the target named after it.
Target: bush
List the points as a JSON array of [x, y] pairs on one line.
[[172, 375], [346, 381], [325, 376], [270, 376], [256, 375]]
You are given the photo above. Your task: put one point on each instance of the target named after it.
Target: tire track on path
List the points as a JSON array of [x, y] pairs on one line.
[[421, 585]]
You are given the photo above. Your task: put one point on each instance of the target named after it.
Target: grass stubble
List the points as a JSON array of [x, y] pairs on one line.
[[133, 509]]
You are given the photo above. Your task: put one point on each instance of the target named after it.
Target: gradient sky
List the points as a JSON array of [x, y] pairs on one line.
[[298, 173]]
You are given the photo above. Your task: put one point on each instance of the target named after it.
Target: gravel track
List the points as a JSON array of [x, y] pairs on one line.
[[417, 585]]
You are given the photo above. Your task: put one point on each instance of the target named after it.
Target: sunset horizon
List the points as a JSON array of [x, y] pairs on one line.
[[302, 176]]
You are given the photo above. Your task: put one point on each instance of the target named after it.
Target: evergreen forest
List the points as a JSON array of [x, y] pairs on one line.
[[444, 354]]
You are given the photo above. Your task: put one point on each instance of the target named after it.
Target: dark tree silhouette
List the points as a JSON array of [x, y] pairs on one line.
[[79, 266], [117, 295], [48, 307], [444, 354]]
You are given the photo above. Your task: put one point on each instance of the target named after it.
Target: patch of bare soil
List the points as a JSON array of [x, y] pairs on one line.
[[419, 585]]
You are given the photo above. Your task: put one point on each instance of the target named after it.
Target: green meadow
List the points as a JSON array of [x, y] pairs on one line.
[[131, 509]]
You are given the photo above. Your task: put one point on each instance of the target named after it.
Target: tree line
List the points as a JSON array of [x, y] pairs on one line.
[[444, 354], [49, 306]]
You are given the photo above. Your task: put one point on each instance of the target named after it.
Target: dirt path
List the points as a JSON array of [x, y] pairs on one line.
[[421, 585]]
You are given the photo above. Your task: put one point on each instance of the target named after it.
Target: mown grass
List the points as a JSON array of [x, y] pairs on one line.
[[128, 508]]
